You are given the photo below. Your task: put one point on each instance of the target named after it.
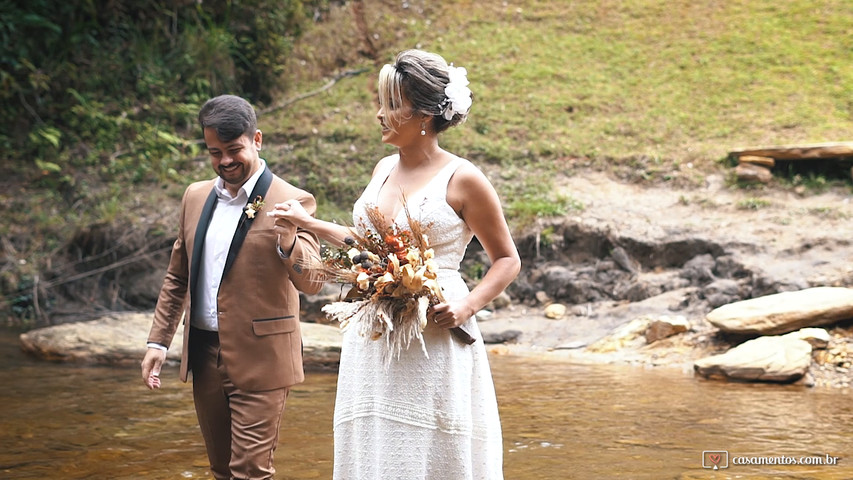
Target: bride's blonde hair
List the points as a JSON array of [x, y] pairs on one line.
[[420, 77]]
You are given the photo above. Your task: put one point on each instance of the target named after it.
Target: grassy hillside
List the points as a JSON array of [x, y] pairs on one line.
[[643, 87], [649, 90]]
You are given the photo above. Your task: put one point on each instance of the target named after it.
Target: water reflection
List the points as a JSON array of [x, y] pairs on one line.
[[560, 421], [575, 421]]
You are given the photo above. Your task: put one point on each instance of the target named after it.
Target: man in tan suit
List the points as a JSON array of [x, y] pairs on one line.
[[234, 277]]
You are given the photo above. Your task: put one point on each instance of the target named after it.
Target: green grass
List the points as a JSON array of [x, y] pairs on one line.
[[753, 203], [639, 87]]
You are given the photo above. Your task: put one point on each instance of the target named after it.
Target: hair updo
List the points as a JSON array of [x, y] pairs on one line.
[[420, 77]]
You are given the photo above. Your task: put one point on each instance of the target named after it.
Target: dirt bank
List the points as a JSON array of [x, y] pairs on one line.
[[670, 251]]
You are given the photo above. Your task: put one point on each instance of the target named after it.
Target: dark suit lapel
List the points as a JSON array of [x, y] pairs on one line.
[[245, 222], [200, 233]]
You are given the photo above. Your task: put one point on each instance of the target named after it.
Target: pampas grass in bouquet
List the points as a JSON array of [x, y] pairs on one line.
[[393, 275]]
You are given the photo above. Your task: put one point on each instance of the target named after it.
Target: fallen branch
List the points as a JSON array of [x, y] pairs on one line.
[[330, 84], [125, 261], [140, 255]]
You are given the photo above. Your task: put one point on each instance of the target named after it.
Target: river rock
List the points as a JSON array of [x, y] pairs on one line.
[[752, 173], [555, 311], [503, 300], [722, 292], [818, 338], [632, 334], [119, 339], [784, 312], [664, 326], [506, 336], [766, 359]]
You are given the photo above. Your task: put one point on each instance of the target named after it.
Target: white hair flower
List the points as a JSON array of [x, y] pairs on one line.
[[457, 92]]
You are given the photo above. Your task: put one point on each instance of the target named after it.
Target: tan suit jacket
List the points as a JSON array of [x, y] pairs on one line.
[[258, 301]]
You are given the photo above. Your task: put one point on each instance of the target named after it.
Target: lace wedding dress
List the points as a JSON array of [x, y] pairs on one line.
[[415, 417]]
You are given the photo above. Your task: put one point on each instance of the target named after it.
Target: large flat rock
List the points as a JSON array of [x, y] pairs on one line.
[[763, 359], [119, 339], [785, 312]]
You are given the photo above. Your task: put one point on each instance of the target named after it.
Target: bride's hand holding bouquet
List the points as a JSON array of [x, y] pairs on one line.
[[393, 278]]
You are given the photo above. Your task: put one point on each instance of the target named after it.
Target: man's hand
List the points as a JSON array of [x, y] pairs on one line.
[[151, 365]]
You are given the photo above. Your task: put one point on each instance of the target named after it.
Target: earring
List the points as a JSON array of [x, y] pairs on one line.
[[423, 128]]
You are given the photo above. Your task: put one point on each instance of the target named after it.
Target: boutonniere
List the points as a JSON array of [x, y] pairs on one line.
[[255, 207]]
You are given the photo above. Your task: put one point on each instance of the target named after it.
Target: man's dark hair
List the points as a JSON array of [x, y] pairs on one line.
[[230, 116]]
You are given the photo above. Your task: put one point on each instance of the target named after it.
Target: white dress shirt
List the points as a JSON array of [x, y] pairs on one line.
[[223, 223]]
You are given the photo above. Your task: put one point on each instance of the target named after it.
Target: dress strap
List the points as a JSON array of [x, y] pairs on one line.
[[442, 179], [388, 166], [381, 175]]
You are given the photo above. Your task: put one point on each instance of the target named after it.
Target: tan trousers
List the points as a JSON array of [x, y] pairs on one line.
[[240, 428]]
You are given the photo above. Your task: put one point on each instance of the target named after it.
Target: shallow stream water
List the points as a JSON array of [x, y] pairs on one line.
[[560, 421]]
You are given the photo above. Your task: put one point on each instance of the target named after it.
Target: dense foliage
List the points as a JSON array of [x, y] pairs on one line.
[[103, 84], [96, 95]]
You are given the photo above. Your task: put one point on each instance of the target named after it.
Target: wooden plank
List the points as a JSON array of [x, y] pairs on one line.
[[756, 160], [799, 152]]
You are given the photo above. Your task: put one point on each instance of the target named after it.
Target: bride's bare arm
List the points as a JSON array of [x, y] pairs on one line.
[[472, 195], [292, 211]]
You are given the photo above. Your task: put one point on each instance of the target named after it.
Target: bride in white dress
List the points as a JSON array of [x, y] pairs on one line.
[[433, 415]]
